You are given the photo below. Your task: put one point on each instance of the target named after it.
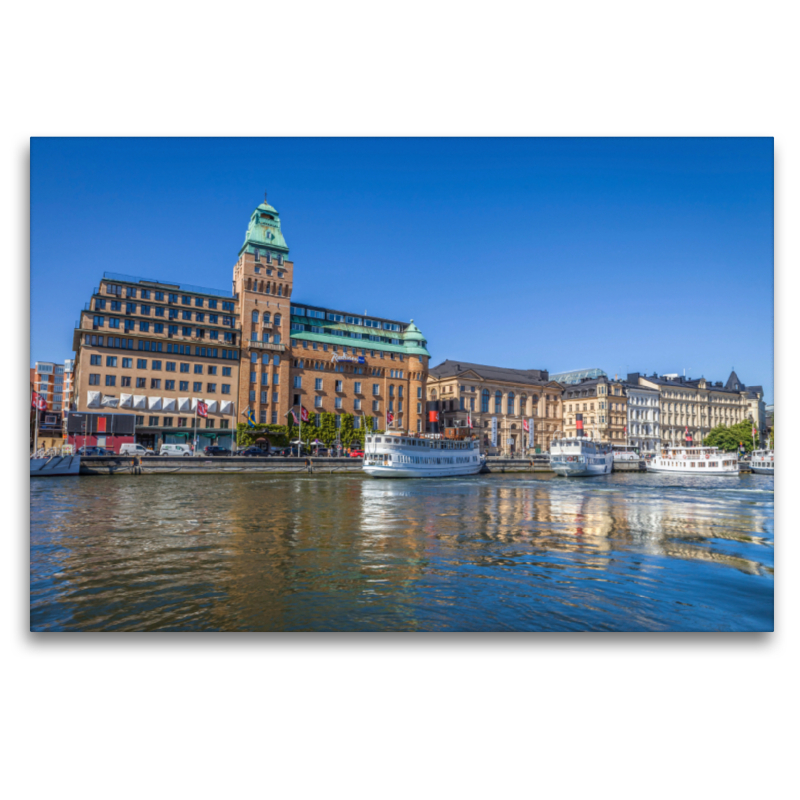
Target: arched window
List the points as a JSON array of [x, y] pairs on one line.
[[266, 317], [268, 291], [255, 316], [280, 291], [523, 404], [249, 284], [277, 319], [510, 403], [498, 402], [433, 394], [264, 337], [485, 401]]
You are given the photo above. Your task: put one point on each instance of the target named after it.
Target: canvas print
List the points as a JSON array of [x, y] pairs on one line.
[[402, 384]]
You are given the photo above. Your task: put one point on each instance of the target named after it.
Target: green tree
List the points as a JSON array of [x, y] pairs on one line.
[[728, 438]]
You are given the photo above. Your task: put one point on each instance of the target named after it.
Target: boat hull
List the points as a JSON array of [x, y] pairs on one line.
[[572, 469], [689, 471], [57, 466], [418, 471], [763, 470]]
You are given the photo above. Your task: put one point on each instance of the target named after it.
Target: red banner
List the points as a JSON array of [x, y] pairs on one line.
[[202, 409], [101, 424], [433, 416], [303, 414]]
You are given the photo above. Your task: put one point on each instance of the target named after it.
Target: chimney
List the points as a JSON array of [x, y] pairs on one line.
[[579, 425]]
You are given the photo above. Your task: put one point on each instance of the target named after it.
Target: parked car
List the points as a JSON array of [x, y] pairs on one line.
[[132, 449], [282, 451], [175, 450], [257, 452], [215, 450], [320, 451], [93, 450], [356, 454]]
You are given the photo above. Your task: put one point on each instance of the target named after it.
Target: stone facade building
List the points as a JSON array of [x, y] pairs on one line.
[[459, 390], [644, 418], [695, 405], [604, 406]]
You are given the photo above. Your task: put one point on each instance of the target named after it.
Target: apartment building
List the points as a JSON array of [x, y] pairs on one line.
[[459, 391], [604, 405], [155, 349]]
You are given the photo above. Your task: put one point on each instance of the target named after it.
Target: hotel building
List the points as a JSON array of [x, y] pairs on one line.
[[325, 360], [695, 405], [153, 349], [458, 390]]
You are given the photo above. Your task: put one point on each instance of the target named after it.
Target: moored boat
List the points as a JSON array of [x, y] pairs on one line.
[[402, 455], [55, 466], [576, 456], [694, 461], [763, 462], [626, 454]]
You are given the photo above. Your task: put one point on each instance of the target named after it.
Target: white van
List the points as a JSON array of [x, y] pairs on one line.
[[175, 450], [131, 449]]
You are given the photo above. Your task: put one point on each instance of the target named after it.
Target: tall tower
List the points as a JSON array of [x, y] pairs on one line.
[[262, 282]]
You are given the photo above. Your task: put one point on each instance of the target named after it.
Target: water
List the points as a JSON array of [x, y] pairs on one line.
[[624, 552]]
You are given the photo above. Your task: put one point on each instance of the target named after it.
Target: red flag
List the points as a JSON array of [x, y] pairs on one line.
[[469, 420], [202, 409], [35, 400], [41, 404], [303, 414], [433, 416], [389, 417], [524, 425]]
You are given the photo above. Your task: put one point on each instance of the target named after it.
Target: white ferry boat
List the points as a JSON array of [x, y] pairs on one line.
[[626, 454], [763, 462], [694, 461], [580, 456], [402, 455]]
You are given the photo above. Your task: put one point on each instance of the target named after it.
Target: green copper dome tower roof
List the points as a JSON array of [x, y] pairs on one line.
[[264, 231]]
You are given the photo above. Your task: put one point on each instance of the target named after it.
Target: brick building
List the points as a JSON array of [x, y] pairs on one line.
[[326, 360], [154, 349], [157, 348]]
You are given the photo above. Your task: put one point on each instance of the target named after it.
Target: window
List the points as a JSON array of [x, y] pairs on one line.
[[338, 402], [226, 372], [141, 383], [317, 402], [184, 386], [182, 422], [276, 379], [376, 389], [167, 422], [226, 388], [197, 386], [376, 405], [338, 386], [274, 417], [169, 386], [212, 388], [94, 379], [298, 382], [186, 300], [198, 369], [153, 421], [357, 387], [96, 360], [254, 316], [318, 384], [131, 292], [155, 383], [125, 380], [111, 380], [357, 404], [498, 402]]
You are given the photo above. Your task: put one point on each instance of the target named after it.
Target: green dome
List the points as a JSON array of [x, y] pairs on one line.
[[413, 334]]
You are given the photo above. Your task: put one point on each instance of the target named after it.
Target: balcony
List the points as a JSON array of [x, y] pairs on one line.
[[277, 348]]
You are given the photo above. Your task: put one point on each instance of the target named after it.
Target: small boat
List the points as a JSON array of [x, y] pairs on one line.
[[403, 455], [55, 466], [626, 454], [763, 462], [694, 461], [576, 456]]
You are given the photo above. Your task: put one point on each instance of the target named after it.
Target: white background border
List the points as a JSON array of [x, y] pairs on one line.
[[227, 716]]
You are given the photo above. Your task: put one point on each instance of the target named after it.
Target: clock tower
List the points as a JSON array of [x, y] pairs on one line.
[[262, 282]]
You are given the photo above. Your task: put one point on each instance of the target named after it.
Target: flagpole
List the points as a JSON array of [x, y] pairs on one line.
[[36, 427], [194, 443]]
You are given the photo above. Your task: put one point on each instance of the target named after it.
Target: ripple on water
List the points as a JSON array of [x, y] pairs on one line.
[[502, 552]]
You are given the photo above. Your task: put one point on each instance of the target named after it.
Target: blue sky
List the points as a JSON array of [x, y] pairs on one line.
[[624, 254]]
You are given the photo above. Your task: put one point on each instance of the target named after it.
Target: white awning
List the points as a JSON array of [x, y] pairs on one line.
[[169, 404], [126, 401], [183, 404], [140, 401], [212, 404], [227, 407], [109, 402], [93, 400], [154, 403]]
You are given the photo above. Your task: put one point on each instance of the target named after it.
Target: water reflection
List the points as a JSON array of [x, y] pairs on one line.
[[621, 552]]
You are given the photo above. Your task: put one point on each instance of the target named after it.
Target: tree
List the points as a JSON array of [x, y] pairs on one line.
[[729, 438]]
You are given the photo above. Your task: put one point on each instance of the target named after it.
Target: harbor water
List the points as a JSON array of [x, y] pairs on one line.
[[514, 552]]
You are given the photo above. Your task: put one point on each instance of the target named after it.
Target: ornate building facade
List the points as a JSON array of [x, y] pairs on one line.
[[462, 391], [604, 406]]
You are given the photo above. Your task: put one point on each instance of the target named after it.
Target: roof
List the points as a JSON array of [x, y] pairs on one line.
[[576, 375], [733, 383], [449, 369], [264, 231], [166, 286]]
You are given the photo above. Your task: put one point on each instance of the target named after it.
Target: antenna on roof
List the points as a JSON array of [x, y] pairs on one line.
[[265, 196]]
